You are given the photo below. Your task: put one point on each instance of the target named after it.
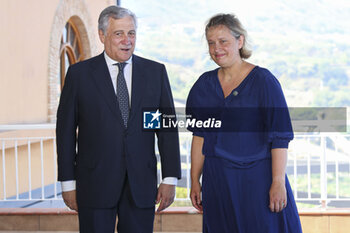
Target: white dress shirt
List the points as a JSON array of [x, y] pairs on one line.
[[114, 70], [69, 185]]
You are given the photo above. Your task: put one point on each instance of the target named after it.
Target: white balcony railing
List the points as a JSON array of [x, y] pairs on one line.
[[318, 168]]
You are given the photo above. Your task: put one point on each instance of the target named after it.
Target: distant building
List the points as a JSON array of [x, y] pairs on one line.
[[39, 39]]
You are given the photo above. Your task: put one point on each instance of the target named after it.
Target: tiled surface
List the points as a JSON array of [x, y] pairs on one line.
[[182, 222], [157, 223], [311, 224], [59, 223], [175, 220], [339, 224], [27, 223]]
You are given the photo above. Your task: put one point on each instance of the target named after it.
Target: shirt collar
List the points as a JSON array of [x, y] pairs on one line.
[[111, 62]]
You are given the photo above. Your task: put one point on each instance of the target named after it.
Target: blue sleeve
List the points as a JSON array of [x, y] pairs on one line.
[[276, 114]]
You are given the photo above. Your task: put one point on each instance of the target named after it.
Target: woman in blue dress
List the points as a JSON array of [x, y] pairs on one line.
[[244, 186]]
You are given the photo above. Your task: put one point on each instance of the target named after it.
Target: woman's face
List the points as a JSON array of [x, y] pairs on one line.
[[223, 46]]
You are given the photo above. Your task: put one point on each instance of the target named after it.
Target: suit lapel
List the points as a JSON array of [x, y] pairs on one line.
[[138, 85], [102, 79]]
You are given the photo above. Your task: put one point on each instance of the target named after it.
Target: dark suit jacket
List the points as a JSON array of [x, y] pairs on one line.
[[93, 146]]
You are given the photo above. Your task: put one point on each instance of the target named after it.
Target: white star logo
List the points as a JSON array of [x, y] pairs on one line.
[[155, 115]]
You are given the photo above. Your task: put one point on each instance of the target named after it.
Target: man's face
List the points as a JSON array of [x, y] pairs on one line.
[[119, 41]]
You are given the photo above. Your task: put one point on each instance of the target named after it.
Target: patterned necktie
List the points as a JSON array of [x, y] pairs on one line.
[[122, 93]]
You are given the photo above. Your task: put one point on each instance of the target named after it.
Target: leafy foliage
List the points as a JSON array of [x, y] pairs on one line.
[[305, 44]]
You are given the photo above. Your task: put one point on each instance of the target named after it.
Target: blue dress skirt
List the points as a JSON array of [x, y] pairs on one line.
[[237, 167], [236, 200]]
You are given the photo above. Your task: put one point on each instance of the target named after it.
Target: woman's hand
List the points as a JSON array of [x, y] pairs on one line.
[[197, 161], [278, 195], [278, 192], [195, 195]]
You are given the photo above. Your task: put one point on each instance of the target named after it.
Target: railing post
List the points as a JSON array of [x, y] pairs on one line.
[[55, 166], [336, 167], [4, 169], [16, 167], [42, 169], [188, 167], [323, 172], [29, 170]]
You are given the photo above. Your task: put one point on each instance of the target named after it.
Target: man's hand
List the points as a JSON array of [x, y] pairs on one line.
[[165, 195], [70, 199]]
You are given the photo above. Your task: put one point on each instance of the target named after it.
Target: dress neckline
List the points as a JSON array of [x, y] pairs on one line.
[[239, 87]]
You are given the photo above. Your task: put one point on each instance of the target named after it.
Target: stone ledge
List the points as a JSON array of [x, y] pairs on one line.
[[174, 219], [36, 211], [325, 212], [180, 219], [170, 210], [66, 211]]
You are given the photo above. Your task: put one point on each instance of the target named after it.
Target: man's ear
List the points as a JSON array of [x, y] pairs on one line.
[[102, 36]]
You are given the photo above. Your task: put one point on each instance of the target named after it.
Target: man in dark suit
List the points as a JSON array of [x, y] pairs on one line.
[[106, 161]]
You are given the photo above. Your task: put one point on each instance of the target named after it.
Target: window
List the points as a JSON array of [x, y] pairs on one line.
[[70, 51]]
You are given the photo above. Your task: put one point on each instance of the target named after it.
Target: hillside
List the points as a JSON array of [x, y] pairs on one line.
[[306, 44]]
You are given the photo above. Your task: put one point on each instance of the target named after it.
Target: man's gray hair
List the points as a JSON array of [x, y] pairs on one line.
[[115, 12]]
